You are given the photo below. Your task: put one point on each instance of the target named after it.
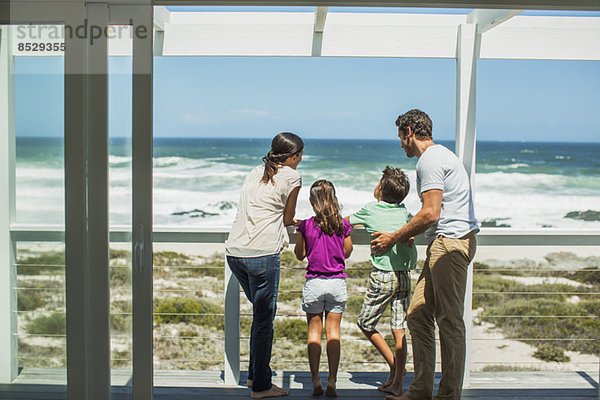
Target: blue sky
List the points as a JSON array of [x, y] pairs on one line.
[[327, 97]]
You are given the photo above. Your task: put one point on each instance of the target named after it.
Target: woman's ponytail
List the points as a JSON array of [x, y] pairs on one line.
[[283, 146]]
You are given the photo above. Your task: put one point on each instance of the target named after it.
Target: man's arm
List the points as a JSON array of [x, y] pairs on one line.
[[429, 215]]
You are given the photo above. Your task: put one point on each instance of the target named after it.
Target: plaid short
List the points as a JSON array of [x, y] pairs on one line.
[[385, 287]]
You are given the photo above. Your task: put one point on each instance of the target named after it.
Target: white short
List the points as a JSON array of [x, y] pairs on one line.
[[324, 294]]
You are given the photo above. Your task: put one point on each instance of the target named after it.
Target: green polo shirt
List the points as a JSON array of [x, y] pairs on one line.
[[387, 217]]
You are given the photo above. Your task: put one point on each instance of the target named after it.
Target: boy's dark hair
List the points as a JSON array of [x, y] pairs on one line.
[[419, 123], [394, 185]]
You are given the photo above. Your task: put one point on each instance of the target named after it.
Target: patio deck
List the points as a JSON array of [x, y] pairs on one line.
[[187, 385]]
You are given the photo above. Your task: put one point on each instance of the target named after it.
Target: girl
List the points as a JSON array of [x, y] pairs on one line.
[[325, 240], [257, 238]]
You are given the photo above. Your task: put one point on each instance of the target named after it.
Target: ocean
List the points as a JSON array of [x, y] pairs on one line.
[[197, 181]]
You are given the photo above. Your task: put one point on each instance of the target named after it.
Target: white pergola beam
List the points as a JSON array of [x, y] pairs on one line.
[[488, 19], [320, 17], [239, 34], [588, 5], [289, 34], [162, 17], [379, 35], [391, 35], [543, 38]]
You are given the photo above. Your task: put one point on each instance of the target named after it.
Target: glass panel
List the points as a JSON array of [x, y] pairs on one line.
[[533, 308], [120, 197], [32, 263], [208, 140]]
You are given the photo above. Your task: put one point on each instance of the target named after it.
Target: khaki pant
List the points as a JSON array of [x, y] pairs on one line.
[[440, 295]]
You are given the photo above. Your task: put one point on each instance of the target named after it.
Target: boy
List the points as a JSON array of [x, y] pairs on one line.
[[389, 280]]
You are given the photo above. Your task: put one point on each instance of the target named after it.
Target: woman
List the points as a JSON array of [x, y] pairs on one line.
[[256, 240]]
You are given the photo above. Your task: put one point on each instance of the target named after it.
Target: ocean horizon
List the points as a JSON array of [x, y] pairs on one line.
[[524, 185]]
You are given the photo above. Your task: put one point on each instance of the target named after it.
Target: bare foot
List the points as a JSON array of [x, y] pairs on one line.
[[331, 392], [249, 383], [317, 390], [383, 387], [392, 397], [274, 391], [395, 389], [390, 380]]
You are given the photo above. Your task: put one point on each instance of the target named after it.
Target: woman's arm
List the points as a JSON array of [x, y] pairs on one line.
[[348, 246], [300, 248], [290, 207]]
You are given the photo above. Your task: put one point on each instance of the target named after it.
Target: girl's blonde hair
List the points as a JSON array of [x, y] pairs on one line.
[[326, 206]]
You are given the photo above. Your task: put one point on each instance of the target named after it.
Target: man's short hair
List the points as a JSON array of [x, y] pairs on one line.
[[418, 121], [394, 185]]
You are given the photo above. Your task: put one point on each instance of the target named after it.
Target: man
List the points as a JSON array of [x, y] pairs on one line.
[[447, 217]]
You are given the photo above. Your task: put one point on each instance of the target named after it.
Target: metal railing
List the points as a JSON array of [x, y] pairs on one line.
[[231, 337]]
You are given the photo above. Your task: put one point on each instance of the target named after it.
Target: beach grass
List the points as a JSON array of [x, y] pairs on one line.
[[188, 305]]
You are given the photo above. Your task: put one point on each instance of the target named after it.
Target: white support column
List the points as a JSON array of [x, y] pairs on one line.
[[8, 278], [466, 78], [467, 54], [232, 328]]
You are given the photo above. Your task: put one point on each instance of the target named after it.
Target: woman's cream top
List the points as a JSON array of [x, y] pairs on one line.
[[258, 228]]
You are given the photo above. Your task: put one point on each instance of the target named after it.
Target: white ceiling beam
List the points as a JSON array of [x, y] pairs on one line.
[[162, 17], [289, 34], [391, 35], [320, 17], [488, 19], [543, 38], [262, 34], [588, 5]]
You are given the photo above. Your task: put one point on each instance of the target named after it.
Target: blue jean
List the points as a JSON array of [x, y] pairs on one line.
[[259, 277]]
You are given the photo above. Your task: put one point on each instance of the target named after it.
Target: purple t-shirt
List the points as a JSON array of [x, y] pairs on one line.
[[325, 253]]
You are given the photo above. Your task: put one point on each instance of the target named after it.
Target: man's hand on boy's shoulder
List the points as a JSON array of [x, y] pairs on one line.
[[382, 242]]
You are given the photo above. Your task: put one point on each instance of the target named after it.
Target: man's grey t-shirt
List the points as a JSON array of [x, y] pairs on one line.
[[439, 168]]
